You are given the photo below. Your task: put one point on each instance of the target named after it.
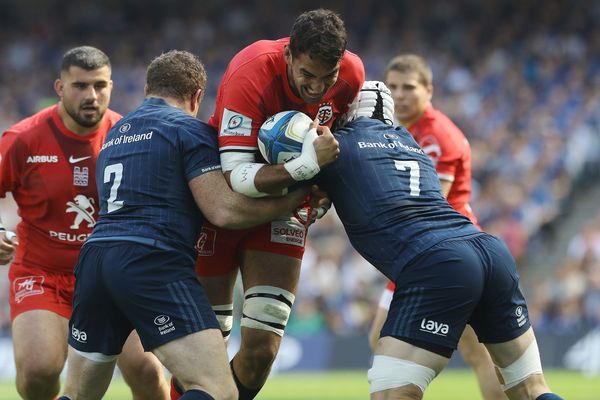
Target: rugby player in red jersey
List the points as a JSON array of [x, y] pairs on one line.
[[311, 71], [409, 79], [48, 163]]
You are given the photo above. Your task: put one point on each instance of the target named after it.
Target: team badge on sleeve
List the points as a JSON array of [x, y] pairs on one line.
[[235, 124]]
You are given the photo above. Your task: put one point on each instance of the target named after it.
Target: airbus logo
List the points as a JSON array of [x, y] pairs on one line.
[[74, 160]]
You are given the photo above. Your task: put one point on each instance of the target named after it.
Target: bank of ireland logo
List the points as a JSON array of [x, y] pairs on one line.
[[164, 324], [83, 207], [325, 113], [161, 320]]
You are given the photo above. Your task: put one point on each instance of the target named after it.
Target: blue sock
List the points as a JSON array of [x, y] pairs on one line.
[[64, 398], [196, 394], [549, 396]]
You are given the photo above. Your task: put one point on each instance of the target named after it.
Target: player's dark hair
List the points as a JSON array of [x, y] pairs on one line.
[[85, 57], [411, 63], [320, 34], [177, 74]]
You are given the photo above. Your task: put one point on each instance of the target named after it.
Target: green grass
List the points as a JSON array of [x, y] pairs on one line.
[[352, 385]]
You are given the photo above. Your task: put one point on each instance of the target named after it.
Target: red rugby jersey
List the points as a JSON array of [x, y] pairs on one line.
[[51, 173], [450, 152], [255, 86]]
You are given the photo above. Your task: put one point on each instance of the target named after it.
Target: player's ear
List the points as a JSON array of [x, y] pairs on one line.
[[196, 100], [58, 87], [145, 90], [287, 54]]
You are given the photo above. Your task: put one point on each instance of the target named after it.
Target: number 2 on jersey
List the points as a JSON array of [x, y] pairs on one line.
[[117, 169], [415, 174]]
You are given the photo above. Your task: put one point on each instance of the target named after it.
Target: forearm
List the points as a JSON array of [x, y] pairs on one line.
[[239, 211], [227, 209]]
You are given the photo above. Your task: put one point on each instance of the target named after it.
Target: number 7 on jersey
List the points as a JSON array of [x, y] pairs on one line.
[[415, 174]]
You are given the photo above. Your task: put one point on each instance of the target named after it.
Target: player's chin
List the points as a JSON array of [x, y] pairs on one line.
[[89, 119]]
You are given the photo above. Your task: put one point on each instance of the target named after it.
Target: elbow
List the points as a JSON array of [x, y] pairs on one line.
[[226, 220]]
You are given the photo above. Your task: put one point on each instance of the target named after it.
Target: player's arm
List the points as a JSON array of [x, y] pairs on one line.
[[259, 180], [8, 243], [228, 209], [8, 183]]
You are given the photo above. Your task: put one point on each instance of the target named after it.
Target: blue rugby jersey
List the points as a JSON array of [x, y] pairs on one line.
[[387, 194], [143, 171]]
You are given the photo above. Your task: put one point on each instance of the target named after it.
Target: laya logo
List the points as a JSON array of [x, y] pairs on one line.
[[42, 159], [78, 335], [521, 318], [431, 326]]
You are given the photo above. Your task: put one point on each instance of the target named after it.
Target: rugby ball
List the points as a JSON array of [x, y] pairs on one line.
[[281, 136]]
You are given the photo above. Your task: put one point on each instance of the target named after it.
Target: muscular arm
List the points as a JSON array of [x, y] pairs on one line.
[[228, 209]]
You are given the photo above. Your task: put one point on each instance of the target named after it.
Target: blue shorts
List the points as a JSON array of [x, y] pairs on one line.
[[121, 286], [470, 280]]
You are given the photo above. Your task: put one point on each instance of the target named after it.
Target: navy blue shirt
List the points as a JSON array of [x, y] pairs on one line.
[[143, 171], [387, 194]]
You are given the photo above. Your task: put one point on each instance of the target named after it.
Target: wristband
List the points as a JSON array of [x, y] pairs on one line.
[[242, 179], [302, 168], [306, 165]]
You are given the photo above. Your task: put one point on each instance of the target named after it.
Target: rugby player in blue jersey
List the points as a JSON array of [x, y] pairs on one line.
[[158, 176], [447, 273]]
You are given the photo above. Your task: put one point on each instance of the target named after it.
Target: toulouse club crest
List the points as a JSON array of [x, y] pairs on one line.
[[325, 113]]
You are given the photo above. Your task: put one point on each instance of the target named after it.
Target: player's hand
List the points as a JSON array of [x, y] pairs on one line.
[[8, 243], [326, 146], [320, 203]]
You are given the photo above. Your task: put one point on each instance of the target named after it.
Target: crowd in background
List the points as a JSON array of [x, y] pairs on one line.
[[520, 78]]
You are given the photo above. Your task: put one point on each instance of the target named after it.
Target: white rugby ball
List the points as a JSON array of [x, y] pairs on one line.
[[281, 136]]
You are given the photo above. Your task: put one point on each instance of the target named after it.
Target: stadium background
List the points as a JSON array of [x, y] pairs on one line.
[[521, 79]]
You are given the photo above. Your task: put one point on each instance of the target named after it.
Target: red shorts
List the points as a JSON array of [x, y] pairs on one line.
[[33, 288], [219, 249]]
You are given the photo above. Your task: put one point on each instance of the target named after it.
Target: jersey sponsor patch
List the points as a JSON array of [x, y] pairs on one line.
[[205, 246], [288, 231], [235, 124], [42, 159], [27, 286], [83, 208]]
